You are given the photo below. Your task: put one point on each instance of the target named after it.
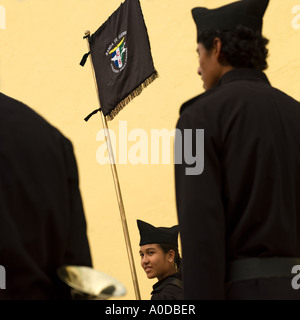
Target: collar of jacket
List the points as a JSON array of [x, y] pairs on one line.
[[242, 74], [164, 282], [232, 75]]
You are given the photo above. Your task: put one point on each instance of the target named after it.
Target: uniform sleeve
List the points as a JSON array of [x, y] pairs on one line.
[[78, 250], [200, 213]]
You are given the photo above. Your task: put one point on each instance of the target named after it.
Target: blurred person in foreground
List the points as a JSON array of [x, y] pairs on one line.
[[42, 222]]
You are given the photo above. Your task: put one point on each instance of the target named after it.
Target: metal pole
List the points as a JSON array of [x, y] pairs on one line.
[[117, 186]]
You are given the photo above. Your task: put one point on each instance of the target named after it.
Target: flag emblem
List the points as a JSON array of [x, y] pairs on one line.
[[119, 56]]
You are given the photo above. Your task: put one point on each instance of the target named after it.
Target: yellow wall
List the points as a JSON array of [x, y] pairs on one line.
[[41, 47]]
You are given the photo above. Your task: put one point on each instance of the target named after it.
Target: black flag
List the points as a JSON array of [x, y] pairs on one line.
[[121, 57]]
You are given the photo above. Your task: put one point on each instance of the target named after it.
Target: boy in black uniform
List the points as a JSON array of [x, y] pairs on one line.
[[240, 218]]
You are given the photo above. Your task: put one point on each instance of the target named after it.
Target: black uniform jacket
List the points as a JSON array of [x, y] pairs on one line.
[[169, 288], [246, 202], [42, 223]]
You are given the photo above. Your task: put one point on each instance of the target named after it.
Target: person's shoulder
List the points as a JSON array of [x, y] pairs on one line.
[[203, 106], [212, 97], [10, 102], [196, 101], [14, 112], [169, 289]]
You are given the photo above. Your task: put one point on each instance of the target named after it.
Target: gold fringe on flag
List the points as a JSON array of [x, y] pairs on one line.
[[132, 95]]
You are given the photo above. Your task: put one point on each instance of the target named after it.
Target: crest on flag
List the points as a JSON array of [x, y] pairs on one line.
[[121, 57], [118, 56]]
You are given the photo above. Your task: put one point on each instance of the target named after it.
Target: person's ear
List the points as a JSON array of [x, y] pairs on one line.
[[171, 256], [217, 47]]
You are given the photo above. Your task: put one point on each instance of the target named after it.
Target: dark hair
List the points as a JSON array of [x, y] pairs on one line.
[[166, 247], [242, 47]]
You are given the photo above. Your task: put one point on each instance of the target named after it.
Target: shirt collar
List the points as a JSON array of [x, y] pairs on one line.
[[238, 74], [160, 282], [242, 74]]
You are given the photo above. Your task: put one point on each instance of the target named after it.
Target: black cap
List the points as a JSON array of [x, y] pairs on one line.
[[248, 13], [150, 234]]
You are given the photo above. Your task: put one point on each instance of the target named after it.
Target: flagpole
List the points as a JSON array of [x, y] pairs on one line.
[[117, 186]]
